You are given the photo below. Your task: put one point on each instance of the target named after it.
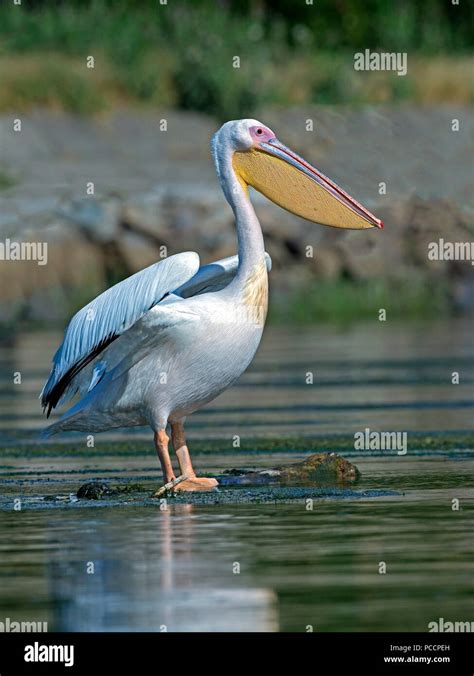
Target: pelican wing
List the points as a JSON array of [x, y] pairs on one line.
[[213, 277], [171, 314], [109, 315]]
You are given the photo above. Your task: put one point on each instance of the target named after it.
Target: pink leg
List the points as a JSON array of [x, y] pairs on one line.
[[192, 482], [181, 450], [161, 445]]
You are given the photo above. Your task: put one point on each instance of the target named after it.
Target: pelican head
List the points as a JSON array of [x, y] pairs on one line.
[[260, 160]]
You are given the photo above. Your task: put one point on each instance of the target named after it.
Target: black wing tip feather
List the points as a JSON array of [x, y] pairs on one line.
[[51, 399]]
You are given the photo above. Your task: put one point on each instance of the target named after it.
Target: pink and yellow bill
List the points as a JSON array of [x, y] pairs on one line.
[[292, 183]]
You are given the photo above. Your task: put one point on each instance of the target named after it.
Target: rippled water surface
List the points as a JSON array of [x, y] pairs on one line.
[[281, 565]]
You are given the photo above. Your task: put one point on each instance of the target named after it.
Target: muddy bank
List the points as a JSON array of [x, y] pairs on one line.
[[155, 194]]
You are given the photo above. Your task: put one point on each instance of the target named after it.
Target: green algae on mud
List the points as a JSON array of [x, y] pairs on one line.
[[317, 469], [119, 497], [439, 442]]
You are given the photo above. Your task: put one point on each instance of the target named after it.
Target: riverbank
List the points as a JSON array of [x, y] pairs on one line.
[[155, 193]]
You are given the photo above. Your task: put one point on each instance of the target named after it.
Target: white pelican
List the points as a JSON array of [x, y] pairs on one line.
[[170, 338]]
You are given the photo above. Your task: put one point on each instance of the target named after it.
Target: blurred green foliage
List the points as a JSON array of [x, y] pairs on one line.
[[428, 25], [346, 300], [55, 83], [181, 53]]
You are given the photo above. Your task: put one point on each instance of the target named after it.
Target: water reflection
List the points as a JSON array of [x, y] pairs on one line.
[[160, 582]]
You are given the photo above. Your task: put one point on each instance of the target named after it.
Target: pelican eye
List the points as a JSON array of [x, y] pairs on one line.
[[259, 131]]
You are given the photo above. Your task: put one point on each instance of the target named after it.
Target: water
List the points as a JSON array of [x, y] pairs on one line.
[[126, 564]]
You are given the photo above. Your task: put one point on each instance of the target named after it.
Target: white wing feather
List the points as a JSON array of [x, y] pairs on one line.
[[112, 313]]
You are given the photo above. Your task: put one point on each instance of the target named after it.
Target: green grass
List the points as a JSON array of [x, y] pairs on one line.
[[64, 83], [49, 81], [347, 300]]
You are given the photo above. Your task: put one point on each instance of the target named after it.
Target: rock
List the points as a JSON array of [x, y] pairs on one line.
[[317, 469], [320, 467], [429, 222], [97, 220], [94, 490]]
